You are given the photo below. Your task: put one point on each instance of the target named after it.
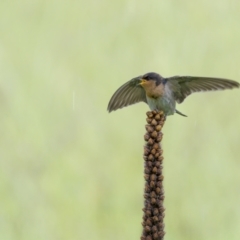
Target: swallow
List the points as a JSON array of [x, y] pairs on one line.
[[161, 93]]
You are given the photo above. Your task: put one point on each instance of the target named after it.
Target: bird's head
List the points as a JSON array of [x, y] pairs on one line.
[[151, 79]]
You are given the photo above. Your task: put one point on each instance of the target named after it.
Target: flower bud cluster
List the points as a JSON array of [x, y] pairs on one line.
[[153, 226]]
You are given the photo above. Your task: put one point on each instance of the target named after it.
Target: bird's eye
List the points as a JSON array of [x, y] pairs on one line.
[[147, 78]]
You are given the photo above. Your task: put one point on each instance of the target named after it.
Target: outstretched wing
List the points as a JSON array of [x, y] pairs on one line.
[[182, 86], [129, 93]]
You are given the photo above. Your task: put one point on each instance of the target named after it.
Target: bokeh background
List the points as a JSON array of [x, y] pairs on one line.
[[70, 170]]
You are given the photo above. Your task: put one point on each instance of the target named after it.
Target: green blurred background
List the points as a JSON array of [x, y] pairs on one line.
[[70, 170]]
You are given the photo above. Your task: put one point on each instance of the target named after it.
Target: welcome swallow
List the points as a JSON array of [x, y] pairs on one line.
[[162, 93]]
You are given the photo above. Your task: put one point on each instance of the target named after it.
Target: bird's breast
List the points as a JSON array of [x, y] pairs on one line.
[[155, 91], [162, 101]]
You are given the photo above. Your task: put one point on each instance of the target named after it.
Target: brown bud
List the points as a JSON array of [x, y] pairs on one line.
[[146, 136], [154, 134], [153, 151], [149, 164], [154, 170], [146, 170], [161, 218], [149, 114], [149, 120], [156, 145], [160, 225], [146, 176], [161, 234], [158, 117], [154, 228], [152, 184], [150, 141], [149, 128], [146, 183], [162, 209], [154, 122], [159, 139], [155, 212], [154, 112], [153, 177], [160, 178], [150, 157], [159, 184], [158, 164], [148, 222], [153, 200], [146, 195], [162, 196], [147, 229], [158, 128], [146, 151], [148, 213], [147, 189], [155, 236], [153, 194], [161, 122]]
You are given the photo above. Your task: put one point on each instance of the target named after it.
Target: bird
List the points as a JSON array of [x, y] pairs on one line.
[[161, 94]]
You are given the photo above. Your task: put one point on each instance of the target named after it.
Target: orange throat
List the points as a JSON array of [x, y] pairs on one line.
[[152, 90]]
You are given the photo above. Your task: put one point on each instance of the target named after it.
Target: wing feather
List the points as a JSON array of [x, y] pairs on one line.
[[129, 93], [183, 86]]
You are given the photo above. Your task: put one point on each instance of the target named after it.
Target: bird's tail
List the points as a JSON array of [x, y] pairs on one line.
[[180, 113]]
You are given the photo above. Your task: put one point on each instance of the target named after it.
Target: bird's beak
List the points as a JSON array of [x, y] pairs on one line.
[[142, 81]]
